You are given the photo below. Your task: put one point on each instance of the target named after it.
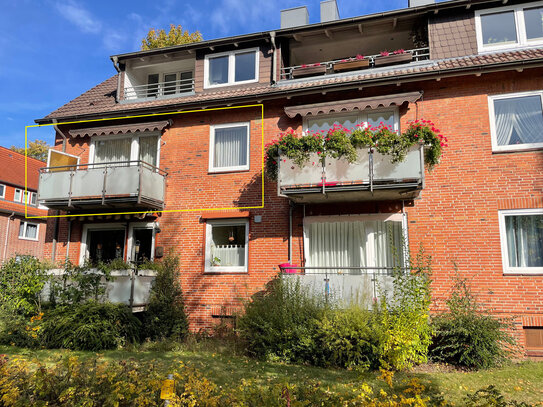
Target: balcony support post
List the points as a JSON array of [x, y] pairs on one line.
[[70, 191], [370, 155], [104, 187], [323, 161], [422, 164], [140, 174]]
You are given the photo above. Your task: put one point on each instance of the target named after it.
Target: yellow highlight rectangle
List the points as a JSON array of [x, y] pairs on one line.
[[146, 115]]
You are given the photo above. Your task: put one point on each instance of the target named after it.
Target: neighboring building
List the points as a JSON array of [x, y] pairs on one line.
[[475, 68], [19, 235]]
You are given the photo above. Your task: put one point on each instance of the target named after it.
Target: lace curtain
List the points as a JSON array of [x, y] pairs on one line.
[[230, 147], [519, 120]]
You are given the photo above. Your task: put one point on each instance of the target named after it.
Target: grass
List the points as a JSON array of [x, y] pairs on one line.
[[224, 366]]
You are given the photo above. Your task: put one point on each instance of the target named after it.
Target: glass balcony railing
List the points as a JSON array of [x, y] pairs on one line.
[[115, 184], [371, 177]]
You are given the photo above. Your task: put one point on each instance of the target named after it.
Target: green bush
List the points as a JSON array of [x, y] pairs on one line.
[[165, 315], [348, 338], [490, 397], [402, 321], [89, 326], [281, 323], [467, 335]]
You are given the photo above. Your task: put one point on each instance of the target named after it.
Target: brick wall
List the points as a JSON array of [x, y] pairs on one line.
[[455, 218], [14, 244]]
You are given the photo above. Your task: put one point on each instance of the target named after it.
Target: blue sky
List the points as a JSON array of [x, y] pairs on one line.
[[51, 51]]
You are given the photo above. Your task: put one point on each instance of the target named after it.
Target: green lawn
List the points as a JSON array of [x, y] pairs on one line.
[[522, 382]]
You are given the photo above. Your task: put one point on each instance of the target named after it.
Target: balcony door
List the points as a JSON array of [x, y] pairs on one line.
[[373, 243], [125, 148]]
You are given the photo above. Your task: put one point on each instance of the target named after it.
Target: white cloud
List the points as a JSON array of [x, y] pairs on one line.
[[113, 40], [79, 16]]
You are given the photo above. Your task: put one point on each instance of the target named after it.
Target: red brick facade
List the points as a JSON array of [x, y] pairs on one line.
[[455, 218]]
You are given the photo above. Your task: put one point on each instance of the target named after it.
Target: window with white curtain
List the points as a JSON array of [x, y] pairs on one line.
[[28, 231], [322, 123], [2, 191], [229, 147], [516, 121], [372, 241], [227, 243], [127, 148], [522, 240]]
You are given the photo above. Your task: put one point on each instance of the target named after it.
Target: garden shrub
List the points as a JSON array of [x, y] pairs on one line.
[[402, 322], [89, 326], [281, 322], [490, 397], [467, 335], [165, 315]]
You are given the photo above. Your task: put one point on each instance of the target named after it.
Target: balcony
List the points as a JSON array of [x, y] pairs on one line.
[[133, 184], [339, 67], [371, 177], [160, 89], [344, 285]]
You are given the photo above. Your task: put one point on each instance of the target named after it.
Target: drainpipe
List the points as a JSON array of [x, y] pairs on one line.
[[55, 234], [290, 208], [10, 217], [69, 238], [274, 58]]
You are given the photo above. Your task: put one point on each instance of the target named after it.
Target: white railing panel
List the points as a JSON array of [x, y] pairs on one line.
[[341, 170], [291, 173], [410, 167]]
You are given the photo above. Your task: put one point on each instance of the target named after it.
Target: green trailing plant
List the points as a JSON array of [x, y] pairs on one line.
[[89, 326], [467, 334], [341, 142], [165, 315]]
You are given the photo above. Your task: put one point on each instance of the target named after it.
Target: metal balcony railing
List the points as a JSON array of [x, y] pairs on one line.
[[327, 67], [159, 89], [371, 173], [96, 185]]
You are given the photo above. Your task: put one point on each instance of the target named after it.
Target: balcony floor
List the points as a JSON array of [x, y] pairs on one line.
[[95, 203]]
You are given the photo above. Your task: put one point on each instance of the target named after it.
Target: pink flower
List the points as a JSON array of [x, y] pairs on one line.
[[384, 53], [318, 152], [359, 57], [399, 51]]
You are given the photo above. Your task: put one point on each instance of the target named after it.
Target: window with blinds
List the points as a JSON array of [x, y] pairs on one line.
[[124, 149]]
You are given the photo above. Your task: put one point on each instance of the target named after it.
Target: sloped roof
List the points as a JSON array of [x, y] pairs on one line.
[[12, 169], [100, 100]]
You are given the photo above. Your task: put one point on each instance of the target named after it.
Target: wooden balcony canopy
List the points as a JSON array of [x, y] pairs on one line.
[[121, 129], [342, 106]]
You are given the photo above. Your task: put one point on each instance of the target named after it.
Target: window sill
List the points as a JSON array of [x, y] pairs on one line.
[[29, 239], [211, 272], [538, 272], [223, 85], [525, 149], [227, 170]]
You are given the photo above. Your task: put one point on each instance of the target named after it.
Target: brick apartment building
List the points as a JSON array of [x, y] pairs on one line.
[[19, 235], [475, 68]]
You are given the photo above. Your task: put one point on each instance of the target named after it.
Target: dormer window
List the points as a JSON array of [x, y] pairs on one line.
[[509, 27], [231, 68]]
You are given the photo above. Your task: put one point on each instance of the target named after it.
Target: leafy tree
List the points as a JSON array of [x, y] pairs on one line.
[[176, 36], [37, 149]]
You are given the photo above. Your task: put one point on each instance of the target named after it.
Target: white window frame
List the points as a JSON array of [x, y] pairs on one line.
[[225, 222], [130, 240], [370, 244], [84, 252], [231, 67], [20, 198], [25, 227], [212, 129], [361, 116], [134, 146], [503, 239], [522, 41], [3, 195], [492, 118]]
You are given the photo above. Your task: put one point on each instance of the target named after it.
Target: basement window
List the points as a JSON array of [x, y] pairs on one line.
[[533, 339]]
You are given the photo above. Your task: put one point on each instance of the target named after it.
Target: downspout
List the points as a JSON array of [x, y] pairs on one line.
[[290, 208], [10, 217], [56, 228], [274, 58]]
